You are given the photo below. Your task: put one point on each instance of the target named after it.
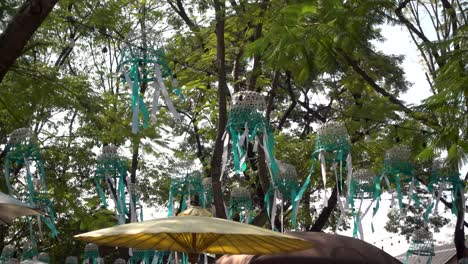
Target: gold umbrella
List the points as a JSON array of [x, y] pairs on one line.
[[11, 208], [196, 234]]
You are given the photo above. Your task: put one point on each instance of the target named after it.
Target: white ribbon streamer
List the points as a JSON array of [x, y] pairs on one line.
[[224, 157], [273, 210], [410, 191], [340, 203], [135, 121], [349, 166], [167, 98], [156, 94], [324, 175]]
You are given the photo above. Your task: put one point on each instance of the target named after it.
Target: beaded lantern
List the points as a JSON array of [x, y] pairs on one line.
[[285, 188], [43, 257], [208, 191], [139, 256], [241, 203], [421, 245], [22, 150], [362, 187], [29, 250], [111, 169], [185, 183], [91, 253], [7, 252], [331, 145], [247, 124], [141, 64], [120, 261], [397, 170], [71, 260], [443, 178], [136, 209]]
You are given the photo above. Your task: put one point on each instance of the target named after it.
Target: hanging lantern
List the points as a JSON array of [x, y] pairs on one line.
[[362, 187], [195, 188], [43, 257], [397, 170], [208, 191], [422, 244], [141, 64], [285, 188], [91, 252], [443, 178], [120, 261], [141, 255], [241, 202], [29, 250], [111, 168], [247, 123], [7, 252], [71, 260], [177, 189], [332, 145], [22, 149]]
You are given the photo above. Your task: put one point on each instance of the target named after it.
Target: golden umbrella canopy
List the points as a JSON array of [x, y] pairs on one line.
[[196, 234], [11, 208]]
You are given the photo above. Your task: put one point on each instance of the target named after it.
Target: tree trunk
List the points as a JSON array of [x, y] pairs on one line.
[[20, 29], [216, 159], [326, 212], [459, 238]]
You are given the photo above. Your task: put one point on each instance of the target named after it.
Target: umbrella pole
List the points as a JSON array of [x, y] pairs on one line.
[[193, 257]]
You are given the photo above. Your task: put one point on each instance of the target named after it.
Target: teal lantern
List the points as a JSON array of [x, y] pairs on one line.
[[111, 169], [241, 203], [29, 250], [139, 256], [185, 183], [71, 260], [22, 149], [444, 178], [177, 190], [7, 252], [362, 187], [332, 146], [285, 188], [91, 253], [136, 209], [397, 170], [421, 245], [247, 124], [195, 187], [208, 191], [43, 257], [141, 64]]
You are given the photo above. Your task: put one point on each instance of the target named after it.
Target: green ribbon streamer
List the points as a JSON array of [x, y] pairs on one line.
[[376, 198], [170, 205], [306, 183], [294, 208], [100, 192], [357, 219]]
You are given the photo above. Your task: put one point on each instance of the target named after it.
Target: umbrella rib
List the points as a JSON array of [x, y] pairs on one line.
[[158, 242], [176, 241]]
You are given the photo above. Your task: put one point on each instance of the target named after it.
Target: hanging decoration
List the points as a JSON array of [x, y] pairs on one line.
[[71, 260], [145, 256], [43, 257], [397, 170], [7, 253], [207, 191], [22, 150], [91, 253], [332, 145], [120, 261], [241, 203], [422, 244], [444, 178], [285, 188], [362, 187], [185, 183], [29, 250], [140, 65], [111, 170], [247, 124]]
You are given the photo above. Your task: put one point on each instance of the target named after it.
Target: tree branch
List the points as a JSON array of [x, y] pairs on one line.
[[20, 29]]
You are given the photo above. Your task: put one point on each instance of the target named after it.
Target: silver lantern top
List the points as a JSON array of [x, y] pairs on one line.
[[248, 100], [22, 135], [400, 153]]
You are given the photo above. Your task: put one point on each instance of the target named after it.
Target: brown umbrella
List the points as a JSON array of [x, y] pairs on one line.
[[328, 248], [11, 208]]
